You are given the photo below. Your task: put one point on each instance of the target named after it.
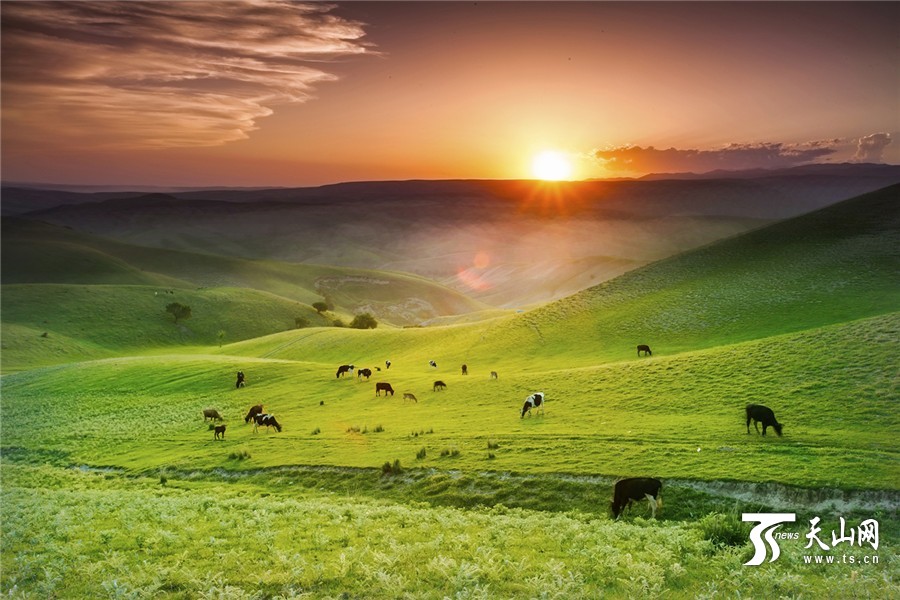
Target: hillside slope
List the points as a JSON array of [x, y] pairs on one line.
[[35, 252], [834, 265]]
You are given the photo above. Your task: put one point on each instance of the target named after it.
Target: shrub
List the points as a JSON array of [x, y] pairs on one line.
[[178, 310], [421, 453], [242, 455], [724, 530], [338, 323], [492, 445], [454, 451], [378, 429], [364, 321], [317, 431], [391, 469], [301, 322]]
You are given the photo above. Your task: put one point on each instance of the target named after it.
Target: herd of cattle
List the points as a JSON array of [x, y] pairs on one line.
[[625, 491]]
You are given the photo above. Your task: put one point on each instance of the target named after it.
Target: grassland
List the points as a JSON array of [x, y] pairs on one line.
[[114, 487]]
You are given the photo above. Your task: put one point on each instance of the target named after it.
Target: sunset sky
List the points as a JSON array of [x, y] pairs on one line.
[[293, 94]]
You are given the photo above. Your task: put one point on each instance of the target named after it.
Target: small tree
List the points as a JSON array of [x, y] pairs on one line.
[[338, 323], [320, 307], [364, 321], [301, 322], [221, 336], [179, 311]]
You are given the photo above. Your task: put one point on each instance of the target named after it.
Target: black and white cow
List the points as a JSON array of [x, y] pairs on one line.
[[762, 414], [265, 419], [432, 364], [344, 369], [636, 488], [364, 373], [536, 400]]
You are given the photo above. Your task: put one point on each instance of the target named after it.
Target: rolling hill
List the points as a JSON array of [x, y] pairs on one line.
[[35, 252], [508, 243], [830, 266]]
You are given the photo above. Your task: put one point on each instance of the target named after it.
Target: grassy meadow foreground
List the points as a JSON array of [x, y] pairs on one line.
[[113, 485]]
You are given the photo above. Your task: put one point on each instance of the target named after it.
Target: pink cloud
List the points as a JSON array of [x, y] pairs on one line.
[[637, 159], [871, 147], [162, 74]]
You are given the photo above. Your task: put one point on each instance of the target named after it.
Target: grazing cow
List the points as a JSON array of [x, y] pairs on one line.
[[410, 396], [219, 432], [386, 387], [344, 369], [536, 400], [438, 385], [636, 488], [432, 363], [364, 373], [240, 380], [762, 414], [465, 370], [493, 374], [645, 349], [211, 414], [387, 364], [267, 420], [254, 410]]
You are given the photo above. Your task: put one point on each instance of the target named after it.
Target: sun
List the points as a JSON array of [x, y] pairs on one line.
[[551, 165]]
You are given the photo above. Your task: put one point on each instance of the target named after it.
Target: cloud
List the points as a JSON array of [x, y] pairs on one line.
[[162, 74], [637, 159], [871, 147]]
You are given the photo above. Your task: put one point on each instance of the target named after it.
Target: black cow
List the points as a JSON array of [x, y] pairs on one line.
[[240, 380], [762, 414], [267, 420], [465, 370], [636, 488], [386, 387], [254, 410], [645, 349], [219, 431], [364, 373], [211, 414], [438, 385], [344, 369], [535, 400]]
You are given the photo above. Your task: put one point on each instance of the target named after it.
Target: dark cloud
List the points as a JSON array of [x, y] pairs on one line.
[[162, 74], [871, 147], [637, 159]]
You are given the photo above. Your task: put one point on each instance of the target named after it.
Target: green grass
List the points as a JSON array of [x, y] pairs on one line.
[[640, 416], [86, 321], [76, 534]]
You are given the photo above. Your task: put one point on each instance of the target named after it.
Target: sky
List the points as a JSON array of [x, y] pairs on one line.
[[299, 94]]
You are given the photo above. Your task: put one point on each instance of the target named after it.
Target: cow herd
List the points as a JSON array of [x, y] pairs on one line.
[[625, 492]]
